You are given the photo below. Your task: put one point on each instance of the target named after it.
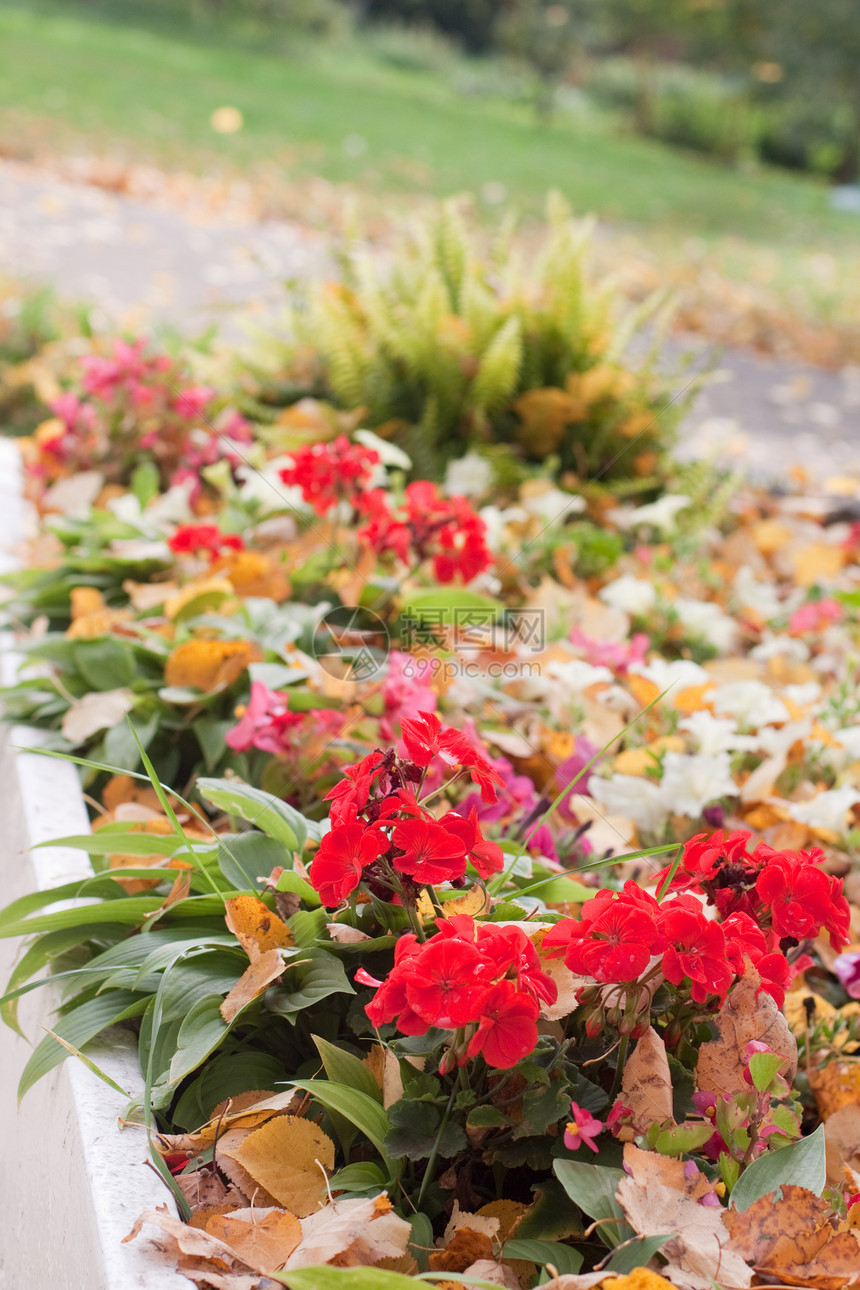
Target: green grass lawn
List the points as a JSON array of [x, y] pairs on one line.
[[338, 112]]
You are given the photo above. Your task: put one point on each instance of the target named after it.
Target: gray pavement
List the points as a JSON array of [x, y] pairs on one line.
[[139, 261]]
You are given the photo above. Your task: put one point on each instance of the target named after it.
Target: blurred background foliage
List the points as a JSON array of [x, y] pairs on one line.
[[775, 80]]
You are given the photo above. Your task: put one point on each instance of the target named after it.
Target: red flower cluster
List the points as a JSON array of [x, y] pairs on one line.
[[481, 980], [381, 834], [429, 526], [192, 539], [785, 893], [627, 936], [328, 473]]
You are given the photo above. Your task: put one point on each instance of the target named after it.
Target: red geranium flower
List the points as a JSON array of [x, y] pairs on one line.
[[507, 1031], [696, 949], [802, 899], [351, 794], [615, 938], [190, 539], [430, 854], [343, 855], [328, 473], [446, 984], [485, 856]]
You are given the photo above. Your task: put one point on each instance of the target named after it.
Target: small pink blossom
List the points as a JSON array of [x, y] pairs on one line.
[[581, 1129], [617, 655], [814, 616]]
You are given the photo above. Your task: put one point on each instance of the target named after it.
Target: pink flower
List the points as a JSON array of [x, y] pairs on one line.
[[405, 690], [617, 655], [814, 616], [581, 1129]]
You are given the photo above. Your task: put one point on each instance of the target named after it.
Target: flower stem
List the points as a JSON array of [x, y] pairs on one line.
[[434, 1154], [619, 1066]]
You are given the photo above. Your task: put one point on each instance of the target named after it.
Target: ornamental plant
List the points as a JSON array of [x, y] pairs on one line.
[[451, 346]]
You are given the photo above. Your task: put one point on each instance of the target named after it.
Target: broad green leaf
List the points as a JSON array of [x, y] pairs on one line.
[[129, 910], [105, 664], [200, 1034], [78, 1027], [564, 1258], [88, 1062], [345, 1068], [592, 1188], [244, 858], [119, 838], [313, 978], [802, 1163], [328, 1278], [447, 600], [274, 817], [363, 1176], [635, 1254], [226, 1075], [291, 881], [364, 1112], [40, 953]]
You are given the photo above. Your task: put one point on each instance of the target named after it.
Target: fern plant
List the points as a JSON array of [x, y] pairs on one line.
[[446, 344]]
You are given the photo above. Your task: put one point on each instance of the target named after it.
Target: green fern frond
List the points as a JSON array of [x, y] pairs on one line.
[[499, 373]]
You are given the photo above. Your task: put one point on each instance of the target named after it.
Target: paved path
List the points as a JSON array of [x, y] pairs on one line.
[[139, 260]]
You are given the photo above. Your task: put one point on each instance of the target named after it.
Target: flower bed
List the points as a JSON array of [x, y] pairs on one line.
[[468, 855]]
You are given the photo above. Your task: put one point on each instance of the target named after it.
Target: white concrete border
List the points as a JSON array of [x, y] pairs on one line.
[[71, 1182]]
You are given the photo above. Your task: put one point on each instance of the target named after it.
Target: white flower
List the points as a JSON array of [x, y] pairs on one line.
[[633, 595], [705, 619], [826, 811], [803, 695], [471, 476], [759, 596], [689, 783], [266, 487], [675, 674], [771, 646], [553, 505], [632, 797], [661, 515], [752, 703], [715, 735], [389, 453], [497, 521], [568, 680], [849, 738]]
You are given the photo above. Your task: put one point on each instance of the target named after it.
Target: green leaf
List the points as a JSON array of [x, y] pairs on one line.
[[78, 1027], [105, 664], [362, 1111], [118, 838], [290, 881], [144, 482], [763, 1067], [316, 976], [415, 1127], [562, 1257], [244, 858], [90, 1065], [360, 1177], [635, 1254], [327, 1278], [40, 953], [345, 1068], [276, 818], [130, 910], [486, 1117], [199, 1035], [227, 1075], [447, 599], [592, 1188], [801, 1163]]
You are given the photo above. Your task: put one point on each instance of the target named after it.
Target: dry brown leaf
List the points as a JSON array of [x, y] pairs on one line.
[[353, 1232], [253, 574], [789, 1238], [745, 1016], [255, 927], [842, 1142], [385, 1069], [657, 1197], [257, 977], [148, 595], [228, 1142], [837, 1085], [646, 1087], [96, 711], [485, 1224], [818, 561], [189, 1241], [497, 1274], [209, 665], [288, 1157], [203, 1188], [464, 1248], [264, 1239]]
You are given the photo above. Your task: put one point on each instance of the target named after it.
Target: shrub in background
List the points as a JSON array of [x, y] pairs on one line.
[[448, 344]]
